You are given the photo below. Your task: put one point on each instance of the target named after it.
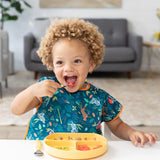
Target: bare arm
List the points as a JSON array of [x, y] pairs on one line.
[[24, 102], [120, 129], [124, 131], [27, 99]]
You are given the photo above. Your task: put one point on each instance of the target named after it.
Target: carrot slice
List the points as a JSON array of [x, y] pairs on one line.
[[99, 146], [83, 148]]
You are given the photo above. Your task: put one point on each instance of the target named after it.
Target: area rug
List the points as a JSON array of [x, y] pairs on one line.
[[139, 95]]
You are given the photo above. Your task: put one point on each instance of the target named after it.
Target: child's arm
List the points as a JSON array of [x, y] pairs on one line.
[[124, 131], [27, 99]]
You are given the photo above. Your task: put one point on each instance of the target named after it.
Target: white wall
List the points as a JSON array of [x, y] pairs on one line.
[[141, 15]]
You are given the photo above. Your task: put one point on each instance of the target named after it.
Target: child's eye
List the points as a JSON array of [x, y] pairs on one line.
[[59, 62], [77, 61]]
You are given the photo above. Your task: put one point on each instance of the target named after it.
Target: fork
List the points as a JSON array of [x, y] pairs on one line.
[[38, 151]]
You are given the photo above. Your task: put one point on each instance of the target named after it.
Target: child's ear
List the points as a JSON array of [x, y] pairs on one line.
[[92, 67]]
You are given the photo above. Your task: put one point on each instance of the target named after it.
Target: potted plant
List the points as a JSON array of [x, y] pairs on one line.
[[157, 34], [5, 10]]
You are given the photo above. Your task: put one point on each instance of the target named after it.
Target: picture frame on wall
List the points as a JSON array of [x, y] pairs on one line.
[[80, 3]]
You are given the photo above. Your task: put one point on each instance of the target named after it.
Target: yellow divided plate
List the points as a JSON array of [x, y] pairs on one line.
[[75, 145]]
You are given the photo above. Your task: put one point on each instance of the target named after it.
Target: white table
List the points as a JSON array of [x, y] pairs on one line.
[[117, 150]]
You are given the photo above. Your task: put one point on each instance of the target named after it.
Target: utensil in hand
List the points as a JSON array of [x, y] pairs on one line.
[[62, 86], [38, 146]]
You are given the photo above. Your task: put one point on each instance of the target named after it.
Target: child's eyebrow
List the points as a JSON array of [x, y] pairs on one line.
[[59, 57], [62, 57], [78, 56]]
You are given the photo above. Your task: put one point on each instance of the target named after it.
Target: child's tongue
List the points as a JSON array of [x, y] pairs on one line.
[[71, 81]]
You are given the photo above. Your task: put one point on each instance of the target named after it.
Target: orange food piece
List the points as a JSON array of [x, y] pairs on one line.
[[83, 147], [71, 84], [97, 147]]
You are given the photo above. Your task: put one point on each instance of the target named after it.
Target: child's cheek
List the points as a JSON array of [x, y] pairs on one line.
[[58, 72]]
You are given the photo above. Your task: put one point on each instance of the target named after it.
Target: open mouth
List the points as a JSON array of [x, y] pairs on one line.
[[70, 81]]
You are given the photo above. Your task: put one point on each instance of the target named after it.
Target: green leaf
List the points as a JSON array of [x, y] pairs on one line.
[[17, 6], [1, 6], [7, 17], [87, 92], [68, 115], [9, 0], [4, 8], [27, 4], [40, 127], [86, 100]]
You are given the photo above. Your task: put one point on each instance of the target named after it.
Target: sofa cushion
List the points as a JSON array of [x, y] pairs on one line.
[[113, 30], [34, 55], [39, 27], [119, 54]]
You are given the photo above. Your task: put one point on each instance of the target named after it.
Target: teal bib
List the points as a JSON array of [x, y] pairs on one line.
[[79, 112]]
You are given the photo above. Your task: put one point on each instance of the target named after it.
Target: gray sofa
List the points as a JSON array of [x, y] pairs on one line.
[[123, 52], [4, 59]]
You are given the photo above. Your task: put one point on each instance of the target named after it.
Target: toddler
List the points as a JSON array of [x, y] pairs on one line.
[[72, 48]]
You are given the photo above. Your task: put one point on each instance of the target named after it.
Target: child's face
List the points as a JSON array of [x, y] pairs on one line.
[[71, 63]]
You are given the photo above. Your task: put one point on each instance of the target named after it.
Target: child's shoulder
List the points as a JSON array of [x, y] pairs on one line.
[[47, 78], [102, 93], [98, 90]]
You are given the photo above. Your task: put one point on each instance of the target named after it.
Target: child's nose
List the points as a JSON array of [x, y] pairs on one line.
[[69, 68]]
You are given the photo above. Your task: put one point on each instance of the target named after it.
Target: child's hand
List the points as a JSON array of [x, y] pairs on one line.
[[45, 88], [142, 138]]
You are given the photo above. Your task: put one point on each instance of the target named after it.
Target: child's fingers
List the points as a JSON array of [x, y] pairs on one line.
[[52, 88], [53, 84], [142, 139], [134, 140], [47, 88], [50, 92], [151, 137], [155, 137]]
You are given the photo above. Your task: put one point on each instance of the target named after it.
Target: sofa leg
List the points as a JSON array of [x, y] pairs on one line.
[[35, 75], [6, 83], [0, 90], [129, 75]]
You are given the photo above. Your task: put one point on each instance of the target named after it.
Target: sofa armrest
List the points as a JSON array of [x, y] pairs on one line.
[[136, 43], [29, 42], [4, 55]]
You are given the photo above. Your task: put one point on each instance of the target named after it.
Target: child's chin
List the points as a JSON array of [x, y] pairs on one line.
[[72, 89]]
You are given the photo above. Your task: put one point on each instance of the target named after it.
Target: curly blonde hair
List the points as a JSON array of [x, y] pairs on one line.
[[72, 28]]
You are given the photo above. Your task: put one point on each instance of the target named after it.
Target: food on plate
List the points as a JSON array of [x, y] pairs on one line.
[[78, 138], [63, 148], [83, 147], [97, 147]]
